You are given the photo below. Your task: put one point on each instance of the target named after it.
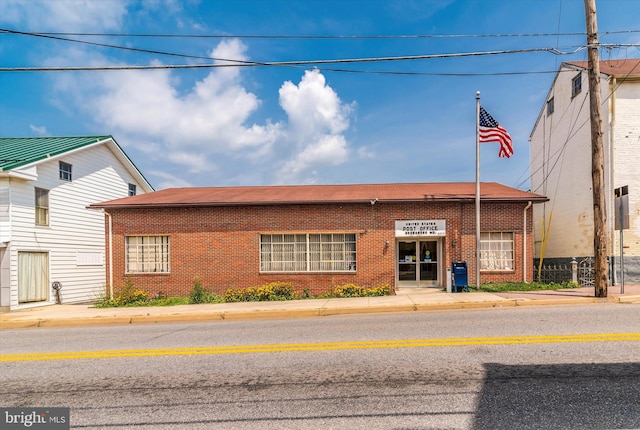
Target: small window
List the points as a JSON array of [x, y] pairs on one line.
[[132, 189], [496, 250], [147, 254], [42, 206], [550, 106], [576, 85], [65, 171]]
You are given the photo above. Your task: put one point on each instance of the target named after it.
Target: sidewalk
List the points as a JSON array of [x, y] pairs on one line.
[[404, 301]]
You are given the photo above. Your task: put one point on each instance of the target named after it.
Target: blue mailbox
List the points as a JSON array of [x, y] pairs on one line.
[[460, 276]]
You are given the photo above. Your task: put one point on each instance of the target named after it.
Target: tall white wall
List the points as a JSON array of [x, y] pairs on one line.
[[75, 235], [561, 166], [626, 150]]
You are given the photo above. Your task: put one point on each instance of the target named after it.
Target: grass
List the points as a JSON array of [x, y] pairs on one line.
[[105, 302], [522, 286]]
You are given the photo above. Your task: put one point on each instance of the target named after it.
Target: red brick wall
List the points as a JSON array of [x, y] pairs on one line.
[[220, 245]]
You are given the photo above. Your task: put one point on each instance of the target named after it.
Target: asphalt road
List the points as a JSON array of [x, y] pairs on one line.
[[573, 367]]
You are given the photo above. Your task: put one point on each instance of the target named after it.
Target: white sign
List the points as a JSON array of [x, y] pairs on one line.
[[421, 228], [621, 207]]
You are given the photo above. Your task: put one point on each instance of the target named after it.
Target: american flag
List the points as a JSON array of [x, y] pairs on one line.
[[491, 131]]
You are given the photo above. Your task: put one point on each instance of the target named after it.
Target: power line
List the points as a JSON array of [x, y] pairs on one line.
[[245, 63], [320, 37], [239, 62], [236, 63]]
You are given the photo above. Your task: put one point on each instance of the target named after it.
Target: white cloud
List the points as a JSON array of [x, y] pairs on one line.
[[317, 117], [42, 130], [327, 150], [366, 152], [211, 119], [64, 15], [313, 107], [168, 180], [166, 6], [196, 163]]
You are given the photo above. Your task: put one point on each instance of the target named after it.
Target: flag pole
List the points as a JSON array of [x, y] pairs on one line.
[[477, 189]]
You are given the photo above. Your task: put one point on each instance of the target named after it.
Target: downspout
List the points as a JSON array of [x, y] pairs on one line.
[[609, 197], [110, 254], [524, 243]]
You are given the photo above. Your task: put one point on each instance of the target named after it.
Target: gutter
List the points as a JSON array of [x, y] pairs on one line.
[[163, 205], [110, 254], [524, 243], [612, 124]]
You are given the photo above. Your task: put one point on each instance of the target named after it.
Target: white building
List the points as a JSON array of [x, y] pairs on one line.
[[561, 165], [48, 237]]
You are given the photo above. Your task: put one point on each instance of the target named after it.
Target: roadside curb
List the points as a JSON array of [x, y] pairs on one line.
[[246, 314]]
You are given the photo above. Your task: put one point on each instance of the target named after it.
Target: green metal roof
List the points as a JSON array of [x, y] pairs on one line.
[[20, 151]]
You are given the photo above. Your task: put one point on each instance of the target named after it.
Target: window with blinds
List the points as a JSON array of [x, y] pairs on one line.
[[147, 254], [42, 206], [317, 252], [496, 250]]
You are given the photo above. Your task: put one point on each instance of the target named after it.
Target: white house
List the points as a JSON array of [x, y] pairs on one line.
[[561, 165], [48, 237]]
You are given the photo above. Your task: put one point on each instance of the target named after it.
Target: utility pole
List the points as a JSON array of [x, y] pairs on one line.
[[601, 281]]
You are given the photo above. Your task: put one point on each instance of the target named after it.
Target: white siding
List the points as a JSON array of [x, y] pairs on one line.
[[561, 166], [627, 160], [73, 229], [5, 232], [5, 279]]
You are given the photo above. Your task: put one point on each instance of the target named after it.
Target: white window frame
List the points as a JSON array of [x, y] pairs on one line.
[[66, 171], [497, 251], [41, 206], [133, 190], [308, 252], [147, 254]]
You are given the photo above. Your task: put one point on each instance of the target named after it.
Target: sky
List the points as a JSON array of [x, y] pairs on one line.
[[403, 111]]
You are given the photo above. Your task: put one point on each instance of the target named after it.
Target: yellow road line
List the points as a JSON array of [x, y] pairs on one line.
[[322, 346]]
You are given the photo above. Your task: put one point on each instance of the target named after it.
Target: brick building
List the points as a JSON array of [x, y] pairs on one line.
[[316, 236]]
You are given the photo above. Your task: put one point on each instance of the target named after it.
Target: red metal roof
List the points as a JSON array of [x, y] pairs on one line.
[[318, 194], [626, 67]]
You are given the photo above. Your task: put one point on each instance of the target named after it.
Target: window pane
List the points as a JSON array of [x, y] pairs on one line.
[[496, 251], [42, 206], [282, 252], [65, 171], [312, 252], [147, 254]]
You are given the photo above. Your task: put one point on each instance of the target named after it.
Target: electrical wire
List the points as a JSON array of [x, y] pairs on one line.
[[237, 63], [326, 37]]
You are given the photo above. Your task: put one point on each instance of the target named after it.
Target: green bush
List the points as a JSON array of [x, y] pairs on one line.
[[352, 290], [128, 295], [104, 301], [199, 295], [267, 292]]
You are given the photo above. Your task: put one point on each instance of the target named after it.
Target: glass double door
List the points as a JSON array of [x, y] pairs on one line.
[[418, 263]]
